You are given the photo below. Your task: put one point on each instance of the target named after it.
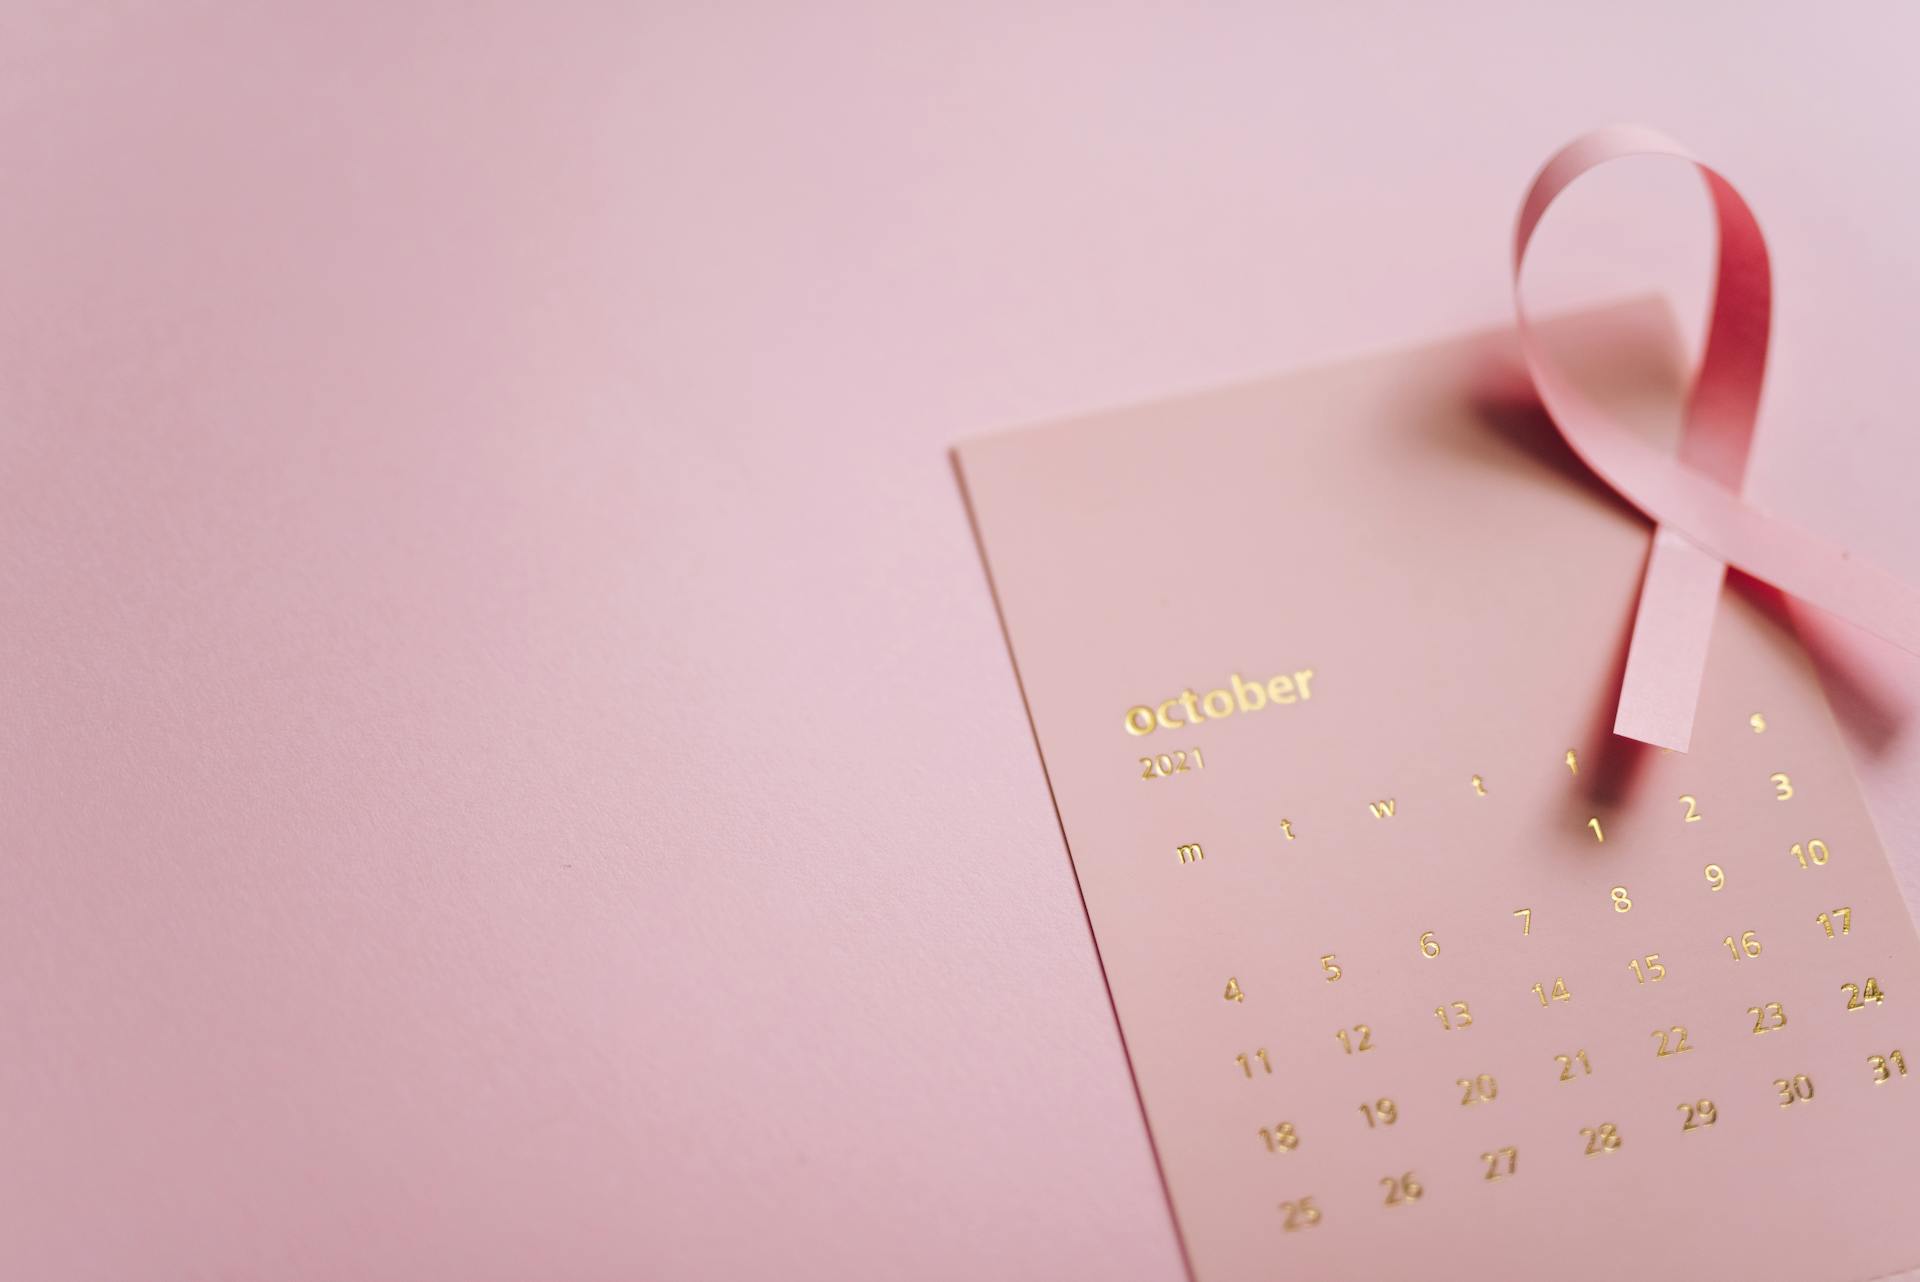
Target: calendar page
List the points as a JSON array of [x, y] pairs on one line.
[[1422, 972]]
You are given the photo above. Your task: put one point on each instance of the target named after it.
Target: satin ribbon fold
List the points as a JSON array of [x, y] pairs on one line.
[[1702, 522]]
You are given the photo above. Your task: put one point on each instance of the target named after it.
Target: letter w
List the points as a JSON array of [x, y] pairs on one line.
[[1381, 809]]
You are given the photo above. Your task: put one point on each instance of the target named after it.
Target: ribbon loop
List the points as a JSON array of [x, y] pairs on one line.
[[1703, 524]]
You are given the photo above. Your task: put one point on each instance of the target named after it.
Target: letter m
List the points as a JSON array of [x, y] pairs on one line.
[[1191, 853], [1381, 809]]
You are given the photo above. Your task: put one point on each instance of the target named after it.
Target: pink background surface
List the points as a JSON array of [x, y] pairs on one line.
[[511, 768]]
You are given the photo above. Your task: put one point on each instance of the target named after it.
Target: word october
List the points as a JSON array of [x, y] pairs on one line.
[[1215, 704]]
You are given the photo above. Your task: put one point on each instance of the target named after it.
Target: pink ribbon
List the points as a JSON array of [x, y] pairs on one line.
[[1702, 524]]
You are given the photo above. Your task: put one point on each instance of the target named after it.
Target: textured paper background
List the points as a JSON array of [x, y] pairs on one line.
[[510, 767]]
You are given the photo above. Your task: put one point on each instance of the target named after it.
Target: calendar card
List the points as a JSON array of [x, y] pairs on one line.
[[1422, 972]]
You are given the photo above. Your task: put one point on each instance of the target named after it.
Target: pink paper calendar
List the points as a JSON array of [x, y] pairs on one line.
[[1422, 972]]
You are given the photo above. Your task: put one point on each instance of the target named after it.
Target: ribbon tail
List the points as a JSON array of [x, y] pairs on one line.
[[1672, 629]]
